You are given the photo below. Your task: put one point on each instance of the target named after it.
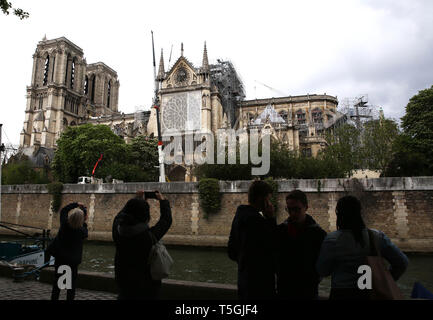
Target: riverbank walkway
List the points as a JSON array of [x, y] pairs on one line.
[[35, 290]]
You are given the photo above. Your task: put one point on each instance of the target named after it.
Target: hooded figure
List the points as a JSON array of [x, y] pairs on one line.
[[131, 235]]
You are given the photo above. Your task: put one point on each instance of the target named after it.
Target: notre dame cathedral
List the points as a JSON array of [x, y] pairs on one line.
[[66, 91]]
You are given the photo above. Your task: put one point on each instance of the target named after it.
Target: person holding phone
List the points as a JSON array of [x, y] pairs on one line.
[[67, 246], [133, 239], [252, 244]]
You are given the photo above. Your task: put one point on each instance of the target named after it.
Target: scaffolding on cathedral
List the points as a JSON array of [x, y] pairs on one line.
[[230, 86], [358, 111]]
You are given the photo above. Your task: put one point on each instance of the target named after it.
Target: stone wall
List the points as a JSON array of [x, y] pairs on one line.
[[400, 207]]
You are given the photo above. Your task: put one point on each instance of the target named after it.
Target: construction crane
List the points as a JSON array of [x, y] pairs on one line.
[[156, 105], [273, 89]]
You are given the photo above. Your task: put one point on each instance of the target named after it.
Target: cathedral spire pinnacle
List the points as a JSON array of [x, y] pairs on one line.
[[205, 63], [161, 71], [181, 49]]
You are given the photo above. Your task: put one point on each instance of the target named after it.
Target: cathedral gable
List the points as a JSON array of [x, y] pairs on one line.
[[182, 74]]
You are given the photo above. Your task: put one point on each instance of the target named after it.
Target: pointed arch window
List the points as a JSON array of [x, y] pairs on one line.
[[52, 68], [86, 85], [300, 116], [65, 122], [66, 70], [46, 70], [72, 74], [92, 98], [108, 94], [317, 115], [307, 152]]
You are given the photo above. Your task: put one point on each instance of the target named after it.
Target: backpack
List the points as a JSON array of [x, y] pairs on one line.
[[159, 259]]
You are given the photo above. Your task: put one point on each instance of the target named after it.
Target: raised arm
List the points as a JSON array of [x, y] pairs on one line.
[[84, 231], [65, 210], [165, 219]]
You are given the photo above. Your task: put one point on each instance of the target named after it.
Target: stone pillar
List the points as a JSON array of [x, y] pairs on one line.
[[91, 212], [400, 214], [61, 67], [18, 212], [195, 213], [50, 216], [34, 70], [332, 217], [78, 85]]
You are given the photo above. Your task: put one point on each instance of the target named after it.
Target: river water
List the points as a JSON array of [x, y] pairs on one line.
[[213, 265]]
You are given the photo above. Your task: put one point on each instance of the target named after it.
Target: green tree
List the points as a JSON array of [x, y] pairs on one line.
[[344, 148], [284, 164], [144, 156], [22, 172], [224, 171], [417, 123], [79, 148], [6, 6], [406, 162], [377, 139]]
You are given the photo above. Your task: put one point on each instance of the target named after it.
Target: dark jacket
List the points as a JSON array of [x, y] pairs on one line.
[[67, 247], [251, 245], [298, 251], [133, 243]]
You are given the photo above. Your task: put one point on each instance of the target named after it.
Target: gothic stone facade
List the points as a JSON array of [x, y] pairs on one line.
[[65, 90]]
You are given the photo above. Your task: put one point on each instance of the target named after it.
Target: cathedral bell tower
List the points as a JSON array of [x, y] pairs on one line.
[[64, 91]]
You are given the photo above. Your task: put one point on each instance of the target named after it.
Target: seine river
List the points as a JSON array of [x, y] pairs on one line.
[[213, 265]]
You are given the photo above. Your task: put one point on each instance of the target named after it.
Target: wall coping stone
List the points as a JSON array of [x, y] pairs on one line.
[[240, 186]]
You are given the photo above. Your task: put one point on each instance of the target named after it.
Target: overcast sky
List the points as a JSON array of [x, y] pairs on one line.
[[344, 48]]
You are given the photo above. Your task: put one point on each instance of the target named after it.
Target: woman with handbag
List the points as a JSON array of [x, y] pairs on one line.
[[134, 241], [348, 248], [67, 246]]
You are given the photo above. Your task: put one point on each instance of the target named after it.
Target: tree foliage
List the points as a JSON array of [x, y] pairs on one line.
[[377, 143], [55, 189], [210, 196], [6, 6], [413, 148], [344, 148], [80, 147], [22, 172], [417, 123], [284, 164], [348, 148], [144, 155]]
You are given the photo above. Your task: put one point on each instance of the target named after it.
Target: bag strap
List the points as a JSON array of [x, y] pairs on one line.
[[373, 244], [153, 238]]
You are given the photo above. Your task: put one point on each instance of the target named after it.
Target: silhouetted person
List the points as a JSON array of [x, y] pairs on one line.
[[67, 247], [133, 240], [252, 244], [299, 239], [344, 250]]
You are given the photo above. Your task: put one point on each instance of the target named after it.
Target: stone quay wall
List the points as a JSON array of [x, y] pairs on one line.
[[400, 207]]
